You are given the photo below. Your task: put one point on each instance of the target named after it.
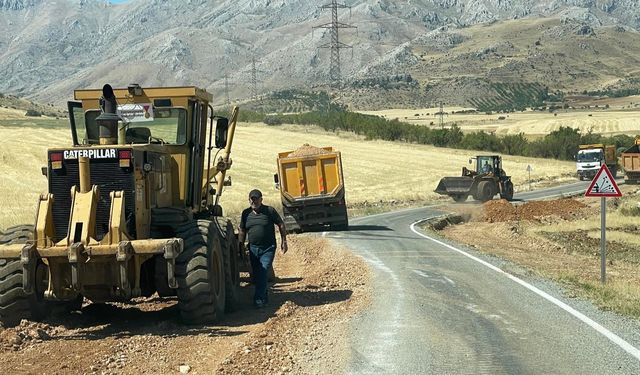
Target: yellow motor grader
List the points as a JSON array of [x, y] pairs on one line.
[[132, 209]]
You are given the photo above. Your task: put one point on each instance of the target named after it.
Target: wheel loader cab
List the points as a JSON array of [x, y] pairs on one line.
[[489, 165]]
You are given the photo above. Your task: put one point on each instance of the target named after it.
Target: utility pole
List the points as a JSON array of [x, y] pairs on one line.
[[335, 45]]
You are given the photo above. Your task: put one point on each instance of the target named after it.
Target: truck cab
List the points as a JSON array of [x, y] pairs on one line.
[[590, 159]]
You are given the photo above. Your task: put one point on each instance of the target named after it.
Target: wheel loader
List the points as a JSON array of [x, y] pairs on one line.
[[483, 183], [132, 209]]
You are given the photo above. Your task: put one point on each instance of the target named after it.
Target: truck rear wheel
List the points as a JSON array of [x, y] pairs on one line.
[[15, 303], [200, 273]]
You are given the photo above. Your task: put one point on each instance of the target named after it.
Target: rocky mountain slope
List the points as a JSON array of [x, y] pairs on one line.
[[50, 47]]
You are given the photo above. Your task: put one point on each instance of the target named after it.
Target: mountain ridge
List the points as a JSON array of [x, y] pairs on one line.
[[48, 48]]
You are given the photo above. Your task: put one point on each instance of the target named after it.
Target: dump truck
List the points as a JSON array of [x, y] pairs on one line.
[[312, 192], [590, 159], [132, 208], [630, 162], [483, 183]]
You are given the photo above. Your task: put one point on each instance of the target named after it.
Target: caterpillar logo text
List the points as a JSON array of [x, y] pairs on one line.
[[91, 154]]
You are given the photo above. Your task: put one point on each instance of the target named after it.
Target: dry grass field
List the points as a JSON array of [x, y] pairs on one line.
[[374, 170], [615, 120]]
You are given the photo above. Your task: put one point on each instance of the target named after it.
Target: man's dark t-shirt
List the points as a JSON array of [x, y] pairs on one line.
[[259, 226]]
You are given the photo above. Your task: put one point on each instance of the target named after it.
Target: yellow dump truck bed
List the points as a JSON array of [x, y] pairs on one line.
[[630, 162], [312, 175]]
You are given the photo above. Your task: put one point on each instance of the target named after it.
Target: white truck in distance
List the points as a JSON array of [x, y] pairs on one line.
[[590, 158]]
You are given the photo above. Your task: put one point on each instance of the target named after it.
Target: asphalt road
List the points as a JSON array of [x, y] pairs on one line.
[[441, 308]]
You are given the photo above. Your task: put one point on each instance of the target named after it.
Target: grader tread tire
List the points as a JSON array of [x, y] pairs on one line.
[[15, 304], [231, 263], [200, 273]]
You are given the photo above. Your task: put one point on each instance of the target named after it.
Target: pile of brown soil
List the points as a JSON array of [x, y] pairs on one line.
[[501, 210], [307, 150]]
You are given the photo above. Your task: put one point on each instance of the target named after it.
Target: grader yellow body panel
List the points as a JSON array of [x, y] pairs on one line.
[[124, 204]]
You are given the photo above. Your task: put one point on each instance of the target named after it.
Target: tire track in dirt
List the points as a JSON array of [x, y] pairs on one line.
[[319, 288]]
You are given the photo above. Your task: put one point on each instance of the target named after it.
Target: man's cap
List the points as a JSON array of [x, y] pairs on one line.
[[255, 193]]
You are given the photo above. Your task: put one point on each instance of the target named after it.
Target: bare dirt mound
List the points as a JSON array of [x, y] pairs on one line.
[[307, 150], [502, 210], [318, 289]]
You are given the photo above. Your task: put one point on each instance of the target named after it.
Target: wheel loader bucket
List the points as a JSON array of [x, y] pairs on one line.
[[454, 186]]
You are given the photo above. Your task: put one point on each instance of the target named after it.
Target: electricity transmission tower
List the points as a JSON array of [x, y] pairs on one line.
[[335, 45], [441, 113], [226, 89], [254, 78]]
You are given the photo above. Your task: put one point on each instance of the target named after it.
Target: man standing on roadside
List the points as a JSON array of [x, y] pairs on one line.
[[258, 223]]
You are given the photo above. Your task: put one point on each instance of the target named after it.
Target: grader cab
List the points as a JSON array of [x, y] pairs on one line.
[[132, 209]]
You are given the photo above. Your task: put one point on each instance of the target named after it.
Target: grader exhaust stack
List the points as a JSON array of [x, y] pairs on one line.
[[108, 119]]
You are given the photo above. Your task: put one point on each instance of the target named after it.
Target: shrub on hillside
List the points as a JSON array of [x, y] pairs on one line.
[[33, 113], [272, 120]]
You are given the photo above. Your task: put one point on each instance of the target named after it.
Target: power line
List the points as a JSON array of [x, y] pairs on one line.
[[335, 45]]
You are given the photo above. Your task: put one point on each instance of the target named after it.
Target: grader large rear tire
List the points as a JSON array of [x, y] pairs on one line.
[[231, 263], [15, 304], [200, 273]]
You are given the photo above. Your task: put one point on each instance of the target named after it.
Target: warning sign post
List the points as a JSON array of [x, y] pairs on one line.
[[603, 185]]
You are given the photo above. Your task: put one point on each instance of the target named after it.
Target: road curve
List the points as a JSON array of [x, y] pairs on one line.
[[437, 310]]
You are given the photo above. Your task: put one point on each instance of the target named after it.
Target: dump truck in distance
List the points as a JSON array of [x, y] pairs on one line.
[[630, 162], [590, 159], [311, 185]]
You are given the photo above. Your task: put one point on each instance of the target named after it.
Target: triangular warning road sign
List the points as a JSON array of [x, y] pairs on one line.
[[603, 185]]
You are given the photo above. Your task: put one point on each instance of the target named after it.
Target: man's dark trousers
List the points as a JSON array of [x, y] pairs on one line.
[[261, 258]]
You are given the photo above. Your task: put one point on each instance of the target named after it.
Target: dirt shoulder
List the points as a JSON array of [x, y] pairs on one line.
[[319, 288], [560, 240]]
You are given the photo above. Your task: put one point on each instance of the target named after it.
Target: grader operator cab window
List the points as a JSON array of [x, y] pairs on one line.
[[169, 126]]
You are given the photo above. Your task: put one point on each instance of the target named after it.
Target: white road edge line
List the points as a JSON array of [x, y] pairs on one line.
[[591, 323]]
